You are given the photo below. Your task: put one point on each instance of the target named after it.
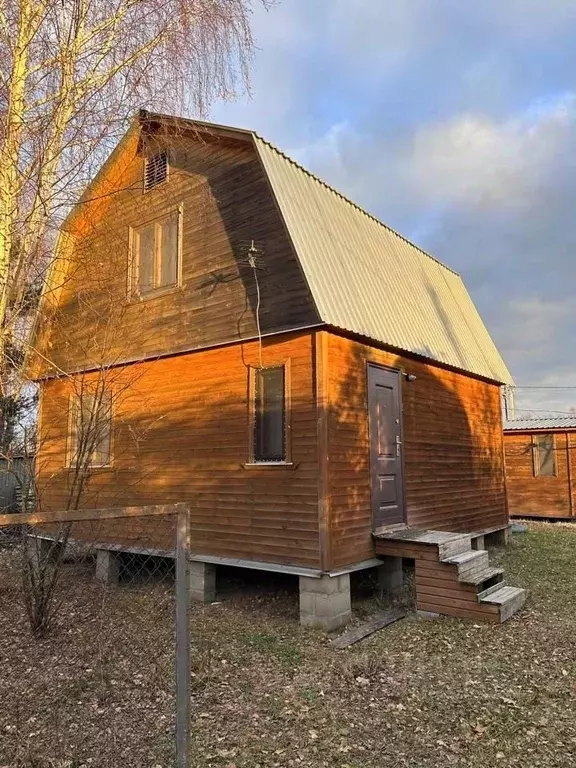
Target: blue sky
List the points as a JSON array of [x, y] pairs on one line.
[[455, 123]]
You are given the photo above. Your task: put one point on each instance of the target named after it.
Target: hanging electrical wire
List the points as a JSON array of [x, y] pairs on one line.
[[545, 410], [252, 257], [534, 386], [250, 254]]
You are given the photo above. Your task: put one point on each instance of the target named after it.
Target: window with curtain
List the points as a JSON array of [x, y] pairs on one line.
[[269, 416], [544, 455], [90, 430], [156, 254]]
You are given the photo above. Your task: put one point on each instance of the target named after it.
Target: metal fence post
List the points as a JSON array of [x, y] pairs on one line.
[[183, 639]]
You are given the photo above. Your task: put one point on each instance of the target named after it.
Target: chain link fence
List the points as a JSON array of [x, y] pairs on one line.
[[94, 639]]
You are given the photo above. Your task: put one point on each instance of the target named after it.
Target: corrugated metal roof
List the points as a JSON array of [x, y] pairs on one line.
[[558, 422], [367, 279]]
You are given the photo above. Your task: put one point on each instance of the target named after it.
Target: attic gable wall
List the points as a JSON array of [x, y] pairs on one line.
[[226, 202]]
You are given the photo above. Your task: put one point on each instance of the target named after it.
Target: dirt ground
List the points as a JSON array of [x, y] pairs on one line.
[[426, 693]]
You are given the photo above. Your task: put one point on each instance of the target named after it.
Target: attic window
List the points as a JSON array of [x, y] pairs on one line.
[[155, 170], [156, 254]]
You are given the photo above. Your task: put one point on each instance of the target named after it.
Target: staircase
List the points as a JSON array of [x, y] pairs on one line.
[[452, 578]]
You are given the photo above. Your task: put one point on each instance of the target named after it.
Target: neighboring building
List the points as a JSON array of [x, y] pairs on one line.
[[540, 464], [303, 375], [16, 483]]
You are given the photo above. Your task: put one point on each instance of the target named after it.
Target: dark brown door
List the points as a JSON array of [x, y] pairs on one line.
[[385, 414]]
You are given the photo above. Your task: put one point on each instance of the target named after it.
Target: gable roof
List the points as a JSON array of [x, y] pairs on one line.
[[534, 425], [363, 276]]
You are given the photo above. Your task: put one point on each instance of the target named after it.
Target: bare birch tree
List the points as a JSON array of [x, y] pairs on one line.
[[71, 74], [82, 424]]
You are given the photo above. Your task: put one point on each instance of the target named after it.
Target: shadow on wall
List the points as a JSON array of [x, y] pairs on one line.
[[453, 455], [236, 205], [181, 433]]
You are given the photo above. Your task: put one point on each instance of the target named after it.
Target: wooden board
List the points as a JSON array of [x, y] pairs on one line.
[[483, 613], [359, 633], [75, 515]]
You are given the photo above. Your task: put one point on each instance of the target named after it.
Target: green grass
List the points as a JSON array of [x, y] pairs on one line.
[[284, 651], [544, 561]]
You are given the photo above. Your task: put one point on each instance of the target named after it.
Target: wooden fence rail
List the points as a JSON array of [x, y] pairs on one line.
[[78, 515]]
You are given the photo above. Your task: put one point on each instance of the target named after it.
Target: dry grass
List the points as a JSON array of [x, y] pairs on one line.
[[422, 693]]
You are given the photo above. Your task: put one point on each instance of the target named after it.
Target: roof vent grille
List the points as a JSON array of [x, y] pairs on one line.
[[155, 170]]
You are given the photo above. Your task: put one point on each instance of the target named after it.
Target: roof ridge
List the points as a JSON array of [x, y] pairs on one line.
[[352, 203]]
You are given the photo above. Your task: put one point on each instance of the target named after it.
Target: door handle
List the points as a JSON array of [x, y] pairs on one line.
[[398, 444]]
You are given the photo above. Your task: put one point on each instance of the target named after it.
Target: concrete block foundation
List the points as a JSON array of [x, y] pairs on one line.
[[107, 567], [202, 582], [478, 542], [325, 602], [39, 551]]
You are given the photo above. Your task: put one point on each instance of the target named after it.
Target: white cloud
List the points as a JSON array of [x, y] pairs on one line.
[[532, 323], [476, 160]]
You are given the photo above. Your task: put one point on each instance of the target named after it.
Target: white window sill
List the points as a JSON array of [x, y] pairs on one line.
[[269, 465], [94, 468], [139, 298]]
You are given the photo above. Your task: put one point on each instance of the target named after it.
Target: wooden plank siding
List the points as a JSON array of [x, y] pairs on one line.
[[454, 467], [438, 591], [180, 433], [226, 204], [530, 496]]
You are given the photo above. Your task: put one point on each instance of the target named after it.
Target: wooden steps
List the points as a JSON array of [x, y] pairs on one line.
[[452, 578]]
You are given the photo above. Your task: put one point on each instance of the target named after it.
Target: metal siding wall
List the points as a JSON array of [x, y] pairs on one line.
[[11, 474]]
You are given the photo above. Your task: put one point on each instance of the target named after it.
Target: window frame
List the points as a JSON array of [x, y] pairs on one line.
[[252, 417], [146, 190], [134, 292], [74, 402], [536, 465]]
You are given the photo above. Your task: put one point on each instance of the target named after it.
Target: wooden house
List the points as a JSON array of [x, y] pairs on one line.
[[540, 458], [322, 392]]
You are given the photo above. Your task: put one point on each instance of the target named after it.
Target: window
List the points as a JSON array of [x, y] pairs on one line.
[[270, 414], [156, 255], [544, 456], [90, 430], [155, 170]]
